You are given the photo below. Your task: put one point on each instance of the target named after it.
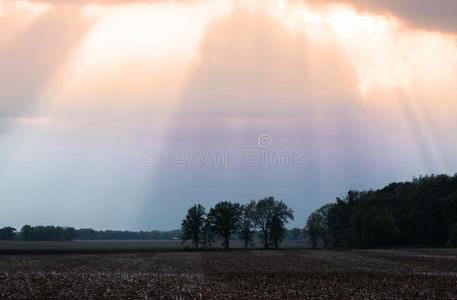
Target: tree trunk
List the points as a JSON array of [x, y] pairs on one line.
[[359, 229], [275, 240], [226, 242], [265, 238], [315, 238], [375, 238]]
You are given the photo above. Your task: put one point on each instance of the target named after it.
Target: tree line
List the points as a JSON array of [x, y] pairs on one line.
[[47, 233], [91, 234], [420, 212], [7, 233], [58, 233], [227, 219]]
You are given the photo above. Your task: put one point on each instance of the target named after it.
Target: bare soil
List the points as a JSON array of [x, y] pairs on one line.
[[236, 274]]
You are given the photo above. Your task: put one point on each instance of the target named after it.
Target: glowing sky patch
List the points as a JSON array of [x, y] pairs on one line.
[[85, 88]]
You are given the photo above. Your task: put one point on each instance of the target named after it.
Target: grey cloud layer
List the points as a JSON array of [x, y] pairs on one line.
[[101, 2], [427, 14]]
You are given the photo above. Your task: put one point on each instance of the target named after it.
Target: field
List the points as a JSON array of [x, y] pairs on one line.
[[108, 246], [290, 273]]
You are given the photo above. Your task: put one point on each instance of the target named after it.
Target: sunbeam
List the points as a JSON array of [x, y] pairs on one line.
[[87, 87]]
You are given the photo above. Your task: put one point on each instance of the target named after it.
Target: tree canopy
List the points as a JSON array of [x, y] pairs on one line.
[[270, 216], [225, 219], [192, 226], [420, 212], [47, 233]]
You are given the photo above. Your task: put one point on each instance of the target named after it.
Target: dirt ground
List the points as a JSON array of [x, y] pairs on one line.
[[116, 246], [292, 273]]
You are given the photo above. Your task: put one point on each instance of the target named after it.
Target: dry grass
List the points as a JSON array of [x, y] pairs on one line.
[[368, 274]]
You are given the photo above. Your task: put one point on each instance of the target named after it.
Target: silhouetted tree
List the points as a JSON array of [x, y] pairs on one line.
[[246, 233], [314, 227], [422, 211], [26, 233], [193, 224], [449, 208], [276, 232], [7, 233], [47, 233], [339, 220], [224, 218], [207, 235], [268, 212], [68, 233], [452, 242], [91, 234], [324, 212], [372, 225]]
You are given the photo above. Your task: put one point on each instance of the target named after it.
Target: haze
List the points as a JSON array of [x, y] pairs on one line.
[[90, 89]]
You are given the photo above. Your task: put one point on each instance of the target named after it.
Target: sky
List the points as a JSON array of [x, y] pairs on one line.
[[122, 114]]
